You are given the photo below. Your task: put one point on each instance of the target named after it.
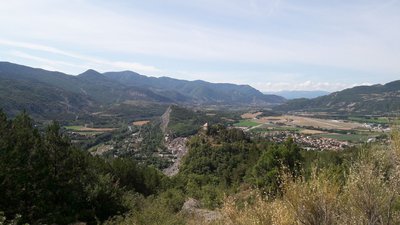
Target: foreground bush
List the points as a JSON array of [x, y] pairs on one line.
[[369, 195]]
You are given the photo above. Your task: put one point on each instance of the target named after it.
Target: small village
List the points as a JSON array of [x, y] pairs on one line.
[[308, 142]]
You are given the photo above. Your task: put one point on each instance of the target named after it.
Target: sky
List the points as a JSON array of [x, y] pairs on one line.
[[272, 45]]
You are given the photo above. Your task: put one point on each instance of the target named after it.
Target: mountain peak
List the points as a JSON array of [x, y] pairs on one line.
[[90, 72]]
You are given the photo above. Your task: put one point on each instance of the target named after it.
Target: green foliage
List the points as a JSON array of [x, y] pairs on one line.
[[173, 199], [268, 169], [5, 221], [151, 212], [225, 159], [105, 197], [40, 174], [145, 180], [186, 122], [46, 180]]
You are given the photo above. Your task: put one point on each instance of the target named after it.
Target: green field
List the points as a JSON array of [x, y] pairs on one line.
[[347, 137], [275, 128], [79, 130], [246, 123], [380, 120], [74, 128]]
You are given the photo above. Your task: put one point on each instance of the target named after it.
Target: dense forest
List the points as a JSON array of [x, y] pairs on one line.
[[44, 179]]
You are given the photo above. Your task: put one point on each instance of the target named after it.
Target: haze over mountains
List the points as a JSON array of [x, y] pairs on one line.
[[43, 92], [299, 94]]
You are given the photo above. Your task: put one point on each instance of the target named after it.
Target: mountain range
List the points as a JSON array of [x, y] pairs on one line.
[[47, 93], [364, 100]]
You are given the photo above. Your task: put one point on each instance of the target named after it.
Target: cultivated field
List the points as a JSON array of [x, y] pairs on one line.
[[311, 132], [246, 123], [88, 129], [345, 131], [300, 121]]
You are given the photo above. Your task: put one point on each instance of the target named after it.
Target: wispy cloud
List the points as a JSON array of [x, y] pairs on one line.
[[45, 62], [144, 33], [88, 61], [179, 35]]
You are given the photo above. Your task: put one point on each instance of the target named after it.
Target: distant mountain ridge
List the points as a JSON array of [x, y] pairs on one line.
[[299, 94], [45, 92], [374, 99], [198, 91]]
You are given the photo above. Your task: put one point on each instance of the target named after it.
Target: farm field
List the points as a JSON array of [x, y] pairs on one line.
[[311, 132], [300, 121], [344, 131], [378, 120], [268, 128], [348, 137], [247, 123], [88, 129]]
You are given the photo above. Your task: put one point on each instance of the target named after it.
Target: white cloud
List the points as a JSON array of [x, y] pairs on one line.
[[46, 63], [81, 23], [358, 36], [88, 61]]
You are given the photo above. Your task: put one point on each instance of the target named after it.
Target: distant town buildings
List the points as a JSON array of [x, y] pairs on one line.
[[308, 142]]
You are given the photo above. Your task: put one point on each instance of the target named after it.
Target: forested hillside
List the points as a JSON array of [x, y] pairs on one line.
[[55, 95], [44, 179]]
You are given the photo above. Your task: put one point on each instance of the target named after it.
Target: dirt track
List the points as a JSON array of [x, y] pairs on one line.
[[165, 119]]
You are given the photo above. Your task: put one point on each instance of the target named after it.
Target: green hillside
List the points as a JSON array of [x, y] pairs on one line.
[[363, 100]]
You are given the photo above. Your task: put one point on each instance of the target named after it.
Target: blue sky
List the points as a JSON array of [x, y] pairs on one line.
[[272, 45]]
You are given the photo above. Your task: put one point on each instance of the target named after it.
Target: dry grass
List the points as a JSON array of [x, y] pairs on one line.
[[314, 201], [370, 195], [260, 211], [140, 122], [307, 131]]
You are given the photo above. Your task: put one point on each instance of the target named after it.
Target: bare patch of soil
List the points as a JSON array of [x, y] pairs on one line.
[[141, 122]]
